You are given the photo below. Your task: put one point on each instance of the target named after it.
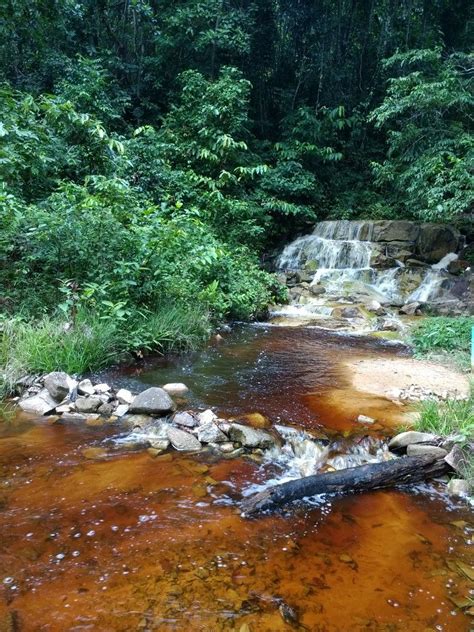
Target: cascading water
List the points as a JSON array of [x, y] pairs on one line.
[[348, 258], [342, 252]]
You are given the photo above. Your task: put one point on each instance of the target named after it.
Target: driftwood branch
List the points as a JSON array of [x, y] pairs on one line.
[[403, 471]]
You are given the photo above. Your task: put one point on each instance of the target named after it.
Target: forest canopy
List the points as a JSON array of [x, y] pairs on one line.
[[153, 152]]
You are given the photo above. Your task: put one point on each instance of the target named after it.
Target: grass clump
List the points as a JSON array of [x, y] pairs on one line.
[[453, 418], [444, 338], [94, 342]]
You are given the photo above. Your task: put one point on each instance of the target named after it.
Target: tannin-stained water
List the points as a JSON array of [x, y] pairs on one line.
[[131, 542]]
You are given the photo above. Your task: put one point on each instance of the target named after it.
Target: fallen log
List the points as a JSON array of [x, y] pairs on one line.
[[403, 471]]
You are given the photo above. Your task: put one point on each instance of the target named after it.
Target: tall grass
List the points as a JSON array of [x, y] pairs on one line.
[[452, 417], [94, 342]]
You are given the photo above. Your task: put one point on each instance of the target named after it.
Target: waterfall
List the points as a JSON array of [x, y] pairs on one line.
[[342, 252], [433, 282]]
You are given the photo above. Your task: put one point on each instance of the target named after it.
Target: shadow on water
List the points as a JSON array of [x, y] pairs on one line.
[[123, 541]]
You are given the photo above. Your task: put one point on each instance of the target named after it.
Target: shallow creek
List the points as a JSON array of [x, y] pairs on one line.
[[131, 542]]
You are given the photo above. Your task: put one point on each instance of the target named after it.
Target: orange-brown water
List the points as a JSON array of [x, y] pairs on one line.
[[131, 542]]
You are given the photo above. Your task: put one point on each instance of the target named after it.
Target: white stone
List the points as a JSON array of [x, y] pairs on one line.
[[102, 388], [207, 416], [85, 388], [124, 396], [64, 408], [176, 388], [404, 439], [458, 487], [121, 410], [364, 419]]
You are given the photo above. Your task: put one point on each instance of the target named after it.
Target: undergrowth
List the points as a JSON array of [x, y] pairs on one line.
[[445, 339]]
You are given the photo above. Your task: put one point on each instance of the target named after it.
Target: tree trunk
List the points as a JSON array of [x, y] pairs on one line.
[[403, 471]]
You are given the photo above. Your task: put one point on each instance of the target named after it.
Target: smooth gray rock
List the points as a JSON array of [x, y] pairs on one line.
[[73, 417], [182, 440], [88, 404], [251, 437], [153, 401], [85, 388], [410, 437], [210, 433], [40, 404], [102, 388], [420, 449], [185, 419], [58, 384]]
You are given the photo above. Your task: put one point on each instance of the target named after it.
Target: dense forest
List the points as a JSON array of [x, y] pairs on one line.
[[153, 154]]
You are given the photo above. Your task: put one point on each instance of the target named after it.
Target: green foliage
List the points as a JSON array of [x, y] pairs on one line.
[[427, 112], [443, 333]]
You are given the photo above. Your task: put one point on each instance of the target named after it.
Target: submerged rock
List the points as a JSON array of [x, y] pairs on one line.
[[183, 441], [153, 401], [40, 404], [138, 421], [59, 385], [251, 437]]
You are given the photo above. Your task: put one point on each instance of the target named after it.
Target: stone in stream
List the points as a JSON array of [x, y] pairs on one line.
[[102, 388], [183, 441], [40, 404], [121, 410], [85, 388], [159, 444], [364, 419], [106, 409], [420, 449], [251, 437], [185, 419], [410, 309], [59, 384], [206, 417], [124, 396], [88, 404], [176, 388], [405, 439], [139, 421], [458, 487], [73, 417], [210, 433], [153, 401]]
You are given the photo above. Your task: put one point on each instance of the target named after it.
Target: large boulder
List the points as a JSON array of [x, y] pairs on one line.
[[436, 241], [59, 384], [153, 401], [396, 230], [40, 404]]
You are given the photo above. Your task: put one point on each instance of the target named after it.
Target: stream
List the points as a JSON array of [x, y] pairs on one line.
[[130, 542]]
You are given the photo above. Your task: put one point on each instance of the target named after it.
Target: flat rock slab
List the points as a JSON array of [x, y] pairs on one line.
[[251, 437], [419, 449], [40, 404], [183, 441], [410, 437], [153, 401]]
